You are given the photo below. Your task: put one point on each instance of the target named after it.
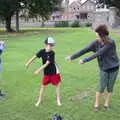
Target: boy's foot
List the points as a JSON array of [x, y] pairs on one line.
[[106, 107], [37, 104], [59, 103], [96, 109]]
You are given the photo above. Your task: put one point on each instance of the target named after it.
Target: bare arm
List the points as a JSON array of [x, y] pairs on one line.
[[41, 68], [30, 61]]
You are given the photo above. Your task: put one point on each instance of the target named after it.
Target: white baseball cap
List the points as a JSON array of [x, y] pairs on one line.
[[50, 41]]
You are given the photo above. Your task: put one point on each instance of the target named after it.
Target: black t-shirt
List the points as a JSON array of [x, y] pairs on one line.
[[52, 68]]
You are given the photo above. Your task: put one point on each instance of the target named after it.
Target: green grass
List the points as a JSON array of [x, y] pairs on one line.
[[23, 87]]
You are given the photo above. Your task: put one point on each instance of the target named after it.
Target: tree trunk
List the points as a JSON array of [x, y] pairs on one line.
[[8, 24], [43, 24], [17, 21]]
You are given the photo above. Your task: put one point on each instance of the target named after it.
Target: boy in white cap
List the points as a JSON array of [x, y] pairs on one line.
[[51, 71]]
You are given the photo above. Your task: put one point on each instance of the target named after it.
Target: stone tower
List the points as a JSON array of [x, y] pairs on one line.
[[113, 19]]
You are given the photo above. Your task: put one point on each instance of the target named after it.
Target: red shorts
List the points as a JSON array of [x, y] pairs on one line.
[[53, 79]]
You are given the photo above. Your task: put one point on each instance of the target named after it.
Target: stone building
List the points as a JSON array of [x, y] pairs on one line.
[[106, 16], [101, 16], [77, 10], [86, 12], [83, 11]]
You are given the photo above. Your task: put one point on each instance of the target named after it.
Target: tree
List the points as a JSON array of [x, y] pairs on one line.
[[110, 3], [43, 8], [7, 10]]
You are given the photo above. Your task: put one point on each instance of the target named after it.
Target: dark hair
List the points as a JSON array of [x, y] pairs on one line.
[[102, 30]]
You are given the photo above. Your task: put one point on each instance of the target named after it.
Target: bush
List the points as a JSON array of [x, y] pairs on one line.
[[75, 24], [88, 24], [62, 24]]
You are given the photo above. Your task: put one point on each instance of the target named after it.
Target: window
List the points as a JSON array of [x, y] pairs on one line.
[[83, 15], [78, 17]]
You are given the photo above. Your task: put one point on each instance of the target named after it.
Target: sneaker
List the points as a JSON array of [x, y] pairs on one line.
[[2, 93], [2, 98], [57, 117]]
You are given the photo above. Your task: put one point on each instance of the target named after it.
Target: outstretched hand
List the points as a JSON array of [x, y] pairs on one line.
[[81, 62], [26, 66], [41, 68], [36, 72], [68, 58]]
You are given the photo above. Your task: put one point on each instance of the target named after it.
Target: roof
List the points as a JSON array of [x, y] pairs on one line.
[[89, 1], [81, 3], [102, 10]]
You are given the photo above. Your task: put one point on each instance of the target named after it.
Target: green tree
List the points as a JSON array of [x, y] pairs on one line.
[[7, 9], [110, 3], [43, 8]]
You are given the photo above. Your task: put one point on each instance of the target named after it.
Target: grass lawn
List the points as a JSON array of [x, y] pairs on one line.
[[79, 82]]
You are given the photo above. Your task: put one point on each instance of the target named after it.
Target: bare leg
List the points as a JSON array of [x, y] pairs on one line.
[[58, 95], [104, 95], [42, 89], [97, 99], [107, 99], [0, 88], [0, 84]]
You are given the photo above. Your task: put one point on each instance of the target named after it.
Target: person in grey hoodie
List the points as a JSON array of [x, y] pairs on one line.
[[104, 49]]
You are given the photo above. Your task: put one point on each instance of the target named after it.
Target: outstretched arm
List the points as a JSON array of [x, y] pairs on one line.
[[30, 61], [98, 53], [89, 48], [41, 68]]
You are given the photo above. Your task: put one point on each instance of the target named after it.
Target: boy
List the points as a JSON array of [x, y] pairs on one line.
[[51, 71], [1, 51], [104, 49]]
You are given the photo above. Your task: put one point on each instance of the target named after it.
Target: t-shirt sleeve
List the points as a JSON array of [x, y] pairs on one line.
[[39, 53]]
